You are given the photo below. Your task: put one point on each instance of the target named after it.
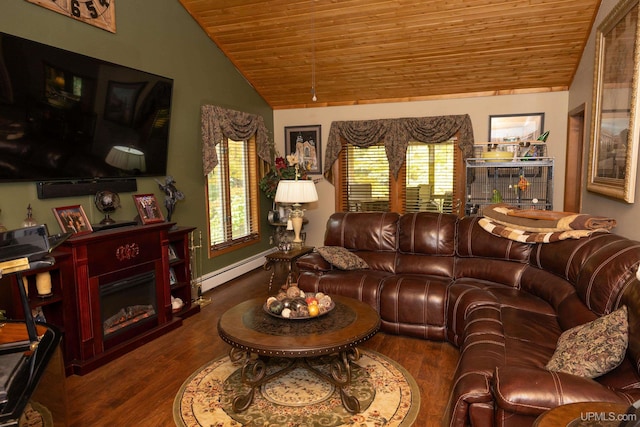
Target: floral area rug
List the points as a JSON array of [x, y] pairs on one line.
[[388, 396]]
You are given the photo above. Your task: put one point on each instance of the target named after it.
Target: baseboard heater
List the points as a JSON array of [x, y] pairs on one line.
[[232, 271]]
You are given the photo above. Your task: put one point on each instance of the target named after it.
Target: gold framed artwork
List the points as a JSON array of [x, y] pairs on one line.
[[99, 13], [72, 219], [613, 155], [147, 206]]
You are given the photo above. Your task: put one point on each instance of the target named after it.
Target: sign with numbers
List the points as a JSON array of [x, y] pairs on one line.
[[99, 13]]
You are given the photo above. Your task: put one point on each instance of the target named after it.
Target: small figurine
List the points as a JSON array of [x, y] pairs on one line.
[[544, 137], [172, 195], [523, 184], [29, 221]]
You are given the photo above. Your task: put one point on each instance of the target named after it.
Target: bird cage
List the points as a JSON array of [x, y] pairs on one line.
[[525, 183]]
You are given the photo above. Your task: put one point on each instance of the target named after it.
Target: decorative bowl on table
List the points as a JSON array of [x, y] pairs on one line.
[[296, 304]]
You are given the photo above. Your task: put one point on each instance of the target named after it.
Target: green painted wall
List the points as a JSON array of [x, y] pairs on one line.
[[160, 37]]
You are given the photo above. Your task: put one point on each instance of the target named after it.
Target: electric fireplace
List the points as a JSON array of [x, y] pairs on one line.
[[128, 306], [121, 296]]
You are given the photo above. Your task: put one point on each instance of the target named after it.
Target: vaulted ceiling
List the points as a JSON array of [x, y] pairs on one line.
[[366, 51]]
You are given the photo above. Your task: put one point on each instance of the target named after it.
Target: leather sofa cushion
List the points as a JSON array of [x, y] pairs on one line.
[[565, 258], [424, 264], [414, 299], [529, 335], [491, 270], [370, 231], [381, 261], [313, 262], [371, 235], [548, 286], [474, 241], [427, 233], [595, 265], [426, 243], [602, 278], [514, 391], [363, 285]]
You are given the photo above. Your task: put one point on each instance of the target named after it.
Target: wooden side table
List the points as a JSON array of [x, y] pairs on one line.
[[285, 257], [583, 414]]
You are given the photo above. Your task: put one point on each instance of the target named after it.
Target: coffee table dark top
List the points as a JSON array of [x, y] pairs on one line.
[[249, 328]]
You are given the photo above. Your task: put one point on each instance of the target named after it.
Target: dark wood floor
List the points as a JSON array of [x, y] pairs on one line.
[[138, 389]]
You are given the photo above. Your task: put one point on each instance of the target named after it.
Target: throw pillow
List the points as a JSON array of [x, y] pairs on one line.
[[342, 258], [593, 349]]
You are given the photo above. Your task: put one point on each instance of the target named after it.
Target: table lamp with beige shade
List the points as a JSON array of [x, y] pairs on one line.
[[296, 192]]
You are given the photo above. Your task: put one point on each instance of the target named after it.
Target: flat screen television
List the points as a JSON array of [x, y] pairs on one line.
[[66, 116]]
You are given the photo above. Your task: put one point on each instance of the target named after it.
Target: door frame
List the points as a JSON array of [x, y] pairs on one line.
[[574, 168]]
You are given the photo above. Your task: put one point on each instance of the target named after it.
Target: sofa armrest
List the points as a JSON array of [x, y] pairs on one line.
[[313, 262], [531, 391]]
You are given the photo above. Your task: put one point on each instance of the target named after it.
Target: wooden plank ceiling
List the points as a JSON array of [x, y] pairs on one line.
[[367, 51]]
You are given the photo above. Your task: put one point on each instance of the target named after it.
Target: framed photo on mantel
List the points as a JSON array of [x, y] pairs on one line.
[[148, 210], [72, 219]]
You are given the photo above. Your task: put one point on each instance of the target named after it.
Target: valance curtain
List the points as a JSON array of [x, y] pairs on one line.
[[395, 134], [218, 123]]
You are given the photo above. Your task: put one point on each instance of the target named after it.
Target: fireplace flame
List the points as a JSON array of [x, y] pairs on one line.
[[127, 316]]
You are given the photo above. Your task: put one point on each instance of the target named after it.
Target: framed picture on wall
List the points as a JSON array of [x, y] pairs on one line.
[[613, 155], [72, 219], [148, 210], [304, 143], [515, 127]]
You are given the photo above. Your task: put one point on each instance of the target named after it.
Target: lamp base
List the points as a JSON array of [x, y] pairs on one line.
[[296, 216]]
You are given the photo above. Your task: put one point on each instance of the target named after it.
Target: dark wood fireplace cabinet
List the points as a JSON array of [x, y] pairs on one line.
[[111, 291]]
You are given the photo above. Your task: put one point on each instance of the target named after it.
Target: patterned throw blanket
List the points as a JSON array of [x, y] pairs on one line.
[[536, 226]]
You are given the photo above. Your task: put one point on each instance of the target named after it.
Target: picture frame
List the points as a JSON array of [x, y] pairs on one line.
[[72, 219], [613, 154], [515, 127], [121, 101], [172, 253], [172, 276], [148, 209], [305, 143]]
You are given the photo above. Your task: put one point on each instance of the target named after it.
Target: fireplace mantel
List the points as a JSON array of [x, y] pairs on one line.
[[104, 257]]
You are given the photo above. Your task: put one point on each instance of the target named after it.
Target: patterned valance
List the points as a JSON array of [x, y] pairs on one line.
[[218, 123], [395, 134]]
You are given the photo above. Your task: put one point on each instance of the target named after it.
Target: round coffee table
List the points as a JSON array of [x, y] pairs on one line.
[[257, 336]]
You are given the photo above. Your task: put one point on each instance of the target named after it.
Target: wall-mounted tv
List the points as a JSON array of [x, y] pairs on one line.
[[66, 116]]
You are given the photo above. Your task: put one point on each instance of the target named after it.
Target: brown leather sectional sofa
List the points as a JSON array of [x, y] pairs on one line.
[[503, 303]]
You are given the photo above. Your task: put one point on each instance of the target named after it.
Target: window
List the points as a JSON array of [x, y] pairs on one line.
[[427, 181], [429, 177], [367, 178], [232, 190]]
